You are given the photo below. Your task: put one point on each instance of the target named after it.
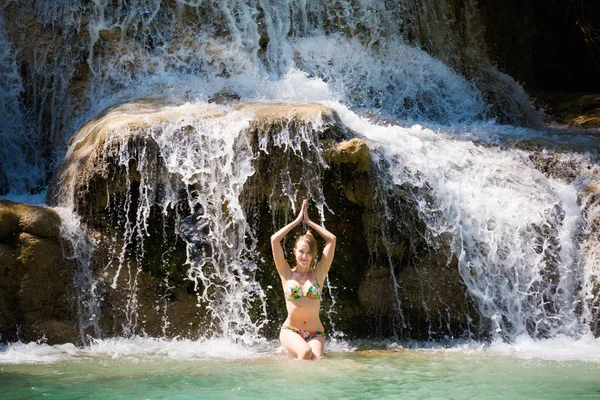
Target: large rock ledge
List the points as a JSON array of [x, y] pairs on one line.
[[115, 160], [37, 298]]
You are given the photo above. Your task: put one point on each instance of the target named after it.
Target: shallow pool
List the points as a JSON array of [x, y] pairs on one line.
[[154, 369]]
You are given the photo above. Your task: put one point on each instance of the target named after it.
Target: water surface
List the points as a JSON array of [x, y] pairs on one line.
[[189, 370]]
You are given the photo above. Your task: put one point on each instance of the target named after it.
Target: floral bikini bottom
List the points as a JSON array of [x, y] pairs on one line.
[[304, 334]]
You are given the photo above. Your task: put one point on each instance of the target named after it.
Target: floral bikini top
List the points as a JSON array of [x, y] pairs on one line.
[[293, 291]]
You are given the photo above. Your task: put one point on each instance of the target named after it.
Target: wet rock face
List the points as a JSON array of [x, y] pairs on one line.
[[37, 297], [3, 182], [377, 293], [432, 301], [354, 152], [547, 48]]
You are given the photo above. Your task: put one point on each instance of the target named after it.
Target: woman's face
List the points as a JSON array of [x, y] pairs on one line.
[[303, 255]]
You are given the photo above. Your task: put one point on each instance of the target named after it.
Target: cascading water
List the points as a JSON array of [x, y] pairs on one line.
[[88, 307], [399, 81], [519, 235], [208, 149], [15, 172], [214, 162], [100, 53]]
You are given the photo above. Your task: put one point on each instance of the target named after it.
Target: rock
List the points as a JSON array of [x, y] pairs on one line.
[[93, 158], [116, 164], [224, 97], [376, 292], [38, 221], [53, 331], [9, 220], [578, 110], [354, 152], [37, 295], [434, 298], [354, 160], [271, 114], [10, 276]]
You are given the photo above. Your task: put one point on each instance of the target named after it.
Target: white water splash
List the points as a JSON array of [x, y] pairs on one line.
[[139, 349], [134, 348], [36, 353], [559, 348]]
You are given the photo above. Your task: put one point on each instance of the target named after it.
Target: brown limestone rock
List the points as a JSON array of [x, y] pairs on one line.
[[38, 221], [268, 114], [354, 161], [10, 277], [9, 220], [354, 152], [36, 282], [56, 331], [158, 312], [376, 292], [578, 110], [434, 297]]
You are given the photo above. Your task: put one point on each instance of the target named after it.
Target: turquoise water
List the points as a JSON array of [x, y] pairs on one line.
[[185, 372]]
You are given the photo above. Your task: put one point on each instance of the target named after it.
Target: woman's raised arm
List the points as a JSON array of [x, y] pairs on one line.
[[324, 264], [278, 255]]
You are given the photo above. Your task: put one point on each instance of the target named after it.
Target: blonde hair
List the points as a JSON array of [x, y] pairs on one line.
[[312, 243]]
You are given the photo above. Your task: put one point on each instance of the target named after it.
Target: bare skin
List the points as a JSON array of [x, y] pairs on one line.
[[303, 313]]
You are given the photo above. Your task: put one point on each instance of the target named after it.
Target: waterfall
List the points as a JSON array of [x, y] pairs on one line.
[[517, 234], [394, 81], [82, 249], [196, 174], [16, 156], [214, 161], [523, 239], [96, 54]]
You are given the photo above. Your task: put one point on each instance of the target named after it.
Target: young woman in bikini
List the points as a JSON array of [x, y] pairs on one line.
[[302, 333]]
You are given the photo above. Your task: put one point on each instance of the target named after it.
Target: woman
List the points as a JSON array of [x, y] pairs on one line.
[[302, 333]]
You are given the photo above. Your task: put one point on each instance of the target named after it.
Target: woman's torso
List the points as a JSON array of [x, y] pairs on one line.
[[303, 301]]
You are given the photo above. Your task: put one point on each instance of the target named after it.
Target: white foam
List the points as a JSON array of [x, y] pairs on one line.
[[297, 86], [176, 349], [395, 80], [135, 348], [36, 353], [559, 348]]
